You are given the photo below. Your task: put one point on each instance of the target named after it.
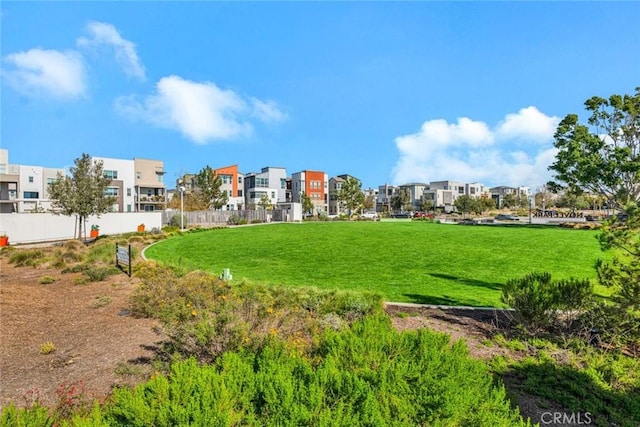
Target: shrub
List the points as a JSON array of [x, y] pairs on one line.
[[369, 375], [257, 221], [539, 302], [175, 221], [532, 297], [46, 280], [29, 257], [48, 347]]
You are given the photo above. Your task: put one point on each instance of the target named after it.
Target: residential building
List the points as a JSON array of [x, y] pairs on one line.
[[385, 193], [233, 186], [335, 185], [9, 183], [270, 182], [122, 185], [315, 185], [34, 187], [416, 194], [150, 190]]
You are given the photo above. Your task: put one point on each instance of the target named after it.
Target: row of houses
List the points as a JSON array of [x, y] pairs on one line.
[[138, 185]]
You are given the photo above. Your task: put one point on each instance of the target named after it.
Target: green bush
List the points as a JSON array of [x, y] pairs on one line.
[[370, 375], [540, 302], [175, 221], [27, 258]]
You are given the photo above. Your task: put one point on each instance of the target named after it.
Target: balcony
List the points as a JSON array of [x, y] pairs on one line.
[[151, 199]]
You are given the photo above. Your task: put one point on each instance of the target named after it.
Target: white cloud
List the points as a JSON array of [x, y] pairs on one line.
[[528, 124], [41, 72], [103, 34], [201, 111], [267, 111], [516, 152]]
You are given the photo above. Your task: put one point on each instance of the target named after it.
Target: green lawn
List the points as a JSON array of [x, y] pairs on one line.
[[405, 261]]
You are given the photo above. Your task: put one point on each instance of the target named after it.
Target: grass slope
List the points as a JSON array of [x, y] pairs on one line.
[[404, 261]]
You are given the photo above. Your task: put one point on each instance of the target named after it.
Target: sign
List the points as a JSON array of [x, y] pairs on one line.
[[123, 258], [539, 213]]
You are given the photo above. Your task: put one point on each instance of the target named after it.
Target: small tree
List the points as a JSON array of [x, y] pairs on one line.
[[307, 204], [401, 200], [369, 203], [208, 188], [265, 202], [465, 204], [83, 192], [351, 194]]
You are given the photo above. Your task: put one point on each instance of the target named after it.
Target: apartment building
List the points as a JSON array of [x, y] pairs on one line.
[[416, 194], [335, 185], [25, 188], [150, 192], [385, 193], [233, 186], [313, 184], [121, 173], [270, 182]]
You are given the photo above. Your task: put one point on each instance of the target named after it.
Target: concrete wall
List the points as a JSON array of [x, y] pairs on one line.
[[43, 227]]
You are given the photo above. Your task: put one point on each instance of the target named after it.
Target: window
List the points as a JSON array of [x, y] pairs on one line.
[[138, 175], [51, 180], [30, 195], [283, 183], [472, 190], [273, 194], [111, 191], [129, 192], [30, 179], [159, 177], [128, 208], [226, 179], [315, 185], [239, 180], [110, 174], [262, 182]]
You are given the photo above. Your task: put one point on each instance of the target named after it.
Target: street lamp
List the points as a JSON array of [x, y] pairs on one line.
[[182, 208]]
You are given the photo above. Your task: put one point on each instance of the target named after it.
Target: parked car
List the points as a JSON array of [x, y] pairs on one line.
[[401, 215], [505, 217], [423, 215], [369, 215]]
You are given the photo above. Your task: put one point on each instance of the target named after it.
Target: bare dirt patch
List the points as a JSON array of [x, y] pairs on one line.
[[87, 323]]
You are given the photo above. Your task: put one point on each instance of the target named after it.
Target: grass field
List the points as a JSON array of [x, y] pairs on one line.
[[405, 261]]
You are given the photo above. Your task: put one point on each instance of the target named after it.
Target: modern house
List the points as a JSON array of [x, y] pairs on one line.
[[416, 194], [121, 173], [24, 188], [335, 185], [385, 193], [233, 185], [313, 184], [270, 182]]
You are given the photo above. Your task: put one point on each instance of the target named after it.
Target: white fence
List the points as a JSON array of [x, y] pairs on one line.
[[214, 218], [45, 227]]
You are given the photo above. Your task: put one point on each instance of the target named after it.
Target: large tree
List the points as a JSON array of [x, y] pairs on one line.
[[603, 157], [350, 194], [83, 192], [208, 188], [401, 200]]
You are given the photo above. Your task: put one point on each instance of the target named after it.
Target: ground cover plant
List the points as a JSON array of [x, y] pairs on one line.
[[369, 374], [403, 261]]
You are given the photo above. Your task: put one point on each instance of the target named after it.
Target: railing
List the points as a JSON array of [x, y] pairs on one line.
[[213, 218]]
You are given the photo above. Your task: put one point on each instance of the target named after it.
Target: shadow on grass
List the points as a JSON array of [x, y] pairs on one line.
[[442, 300], [468, 282], [575, 392]]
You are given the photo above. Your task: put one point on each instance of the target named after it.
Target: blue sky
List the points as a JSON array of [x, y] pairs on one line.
[[390, 92]]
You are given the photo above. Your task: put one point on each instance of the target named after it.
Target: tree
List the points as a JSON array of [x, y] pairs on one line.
[[82, 193], [544, 197], [603, 159], [369, 202], [486, 203], [208, 188], [622, 318], [265, 202], [466, 204], [307, 204], [350, 195], [401, 200]]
